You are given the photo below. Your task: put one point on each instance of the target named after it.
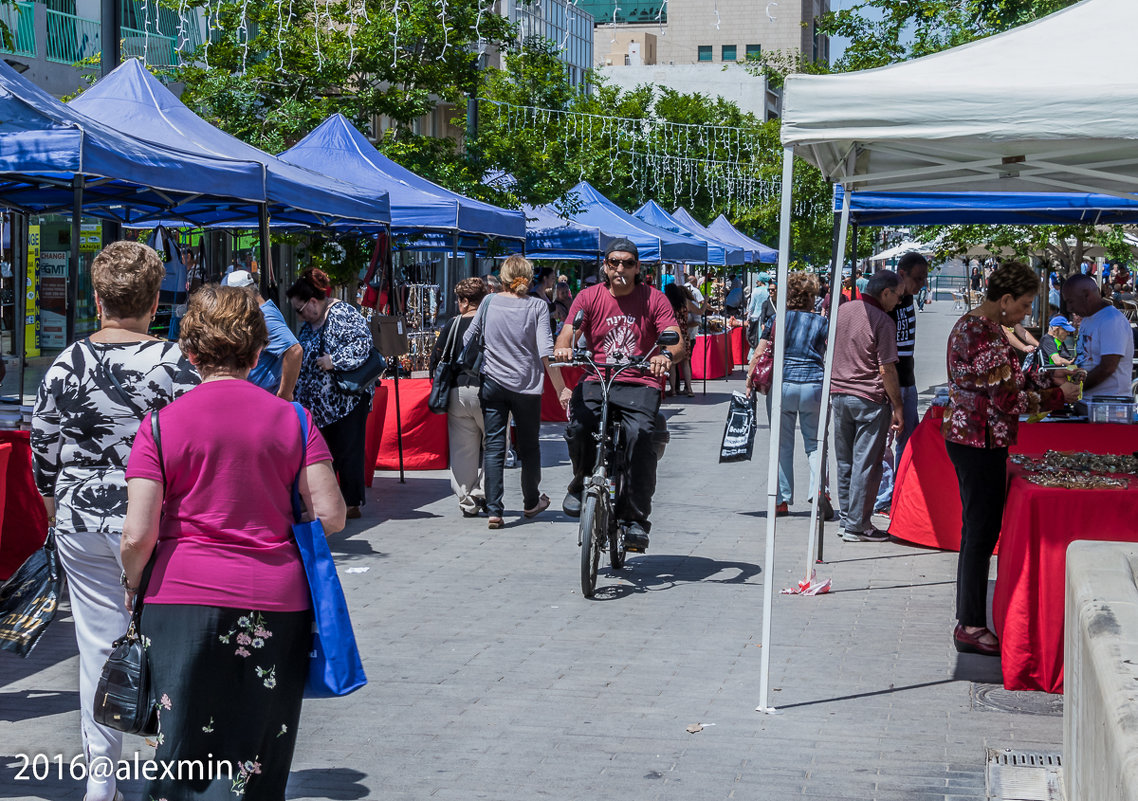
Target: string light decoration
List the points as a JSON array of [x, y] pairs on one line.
[[653, 150]]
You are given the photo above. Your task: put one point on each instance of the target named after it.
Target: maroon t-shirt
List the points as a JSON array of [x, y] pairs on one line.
[[629, 325]]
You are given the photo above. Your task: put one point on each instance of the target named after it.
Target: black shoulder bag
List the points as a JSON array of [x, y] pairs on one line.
[[124, 699], [359, 380], [445, 373]]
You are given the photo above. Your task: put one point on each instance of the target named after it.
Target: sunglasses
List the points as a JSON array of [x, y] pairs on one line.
[[621, 262]]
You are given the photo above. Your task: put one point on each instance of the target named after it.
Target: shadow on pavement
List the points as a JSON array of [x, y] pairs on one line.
[[891, 689], [894, 587], [56, 645], [655, 573], [21, 705], [339, 784]]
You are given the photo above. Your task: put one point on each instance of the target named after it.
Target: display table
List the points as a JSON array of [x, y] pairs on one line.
[[739, 346], [1027, 608], [373, 435], [24, 525], [710, 356], [551, 411], [926, 496], [424, 432]]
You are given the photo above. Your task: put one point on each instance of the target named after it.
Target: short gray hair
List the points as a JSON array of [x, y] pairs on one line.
[[880, 281]]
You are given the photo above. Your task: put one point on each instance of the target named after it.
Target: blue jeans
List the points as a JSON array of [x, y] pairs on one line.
[[801, 403], [498, 403], [892, 459]]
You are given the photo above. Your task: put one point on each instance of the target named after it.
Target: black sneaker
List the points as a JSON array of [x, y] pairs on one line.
[[572, 503], [635, 537], [869, 535]]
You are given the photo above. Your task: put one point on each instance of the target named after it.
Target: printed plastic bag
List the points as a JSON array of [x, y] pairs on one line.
[[739, 433], [29, 599]]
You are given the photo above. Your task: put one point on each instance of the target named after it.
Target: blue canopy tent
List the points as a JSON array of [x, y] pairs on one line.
[[418, 206], [986, 208], [654, 244], [131, 99], [551, 236], [719, 253], [729, 233]]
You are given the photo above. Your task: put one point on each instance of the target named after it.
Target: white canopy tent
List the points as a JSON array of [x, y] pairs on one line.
[[1007, 113], [924, 248]]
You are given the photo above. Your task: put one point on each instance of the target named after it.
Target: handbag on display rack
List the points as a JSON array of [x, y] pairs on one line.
[[334, 666], [445, 372], [124, 698]]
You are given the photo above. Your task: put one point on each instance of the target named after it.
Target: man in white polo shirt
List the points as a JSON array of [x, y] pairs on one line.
[[1105, 347]]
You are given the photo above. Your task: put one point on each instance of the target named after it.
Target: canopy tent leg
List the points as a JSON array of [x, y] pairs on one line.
[[73, 265], [266, 248], [779, 345], [397, 311], [816, 489], [18, 228]]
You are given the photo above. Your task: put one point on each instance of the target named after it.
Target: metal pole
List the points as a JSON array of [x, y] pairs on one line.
[[398, 413], [110, 12], [19, 241], [816, 488], [779, 345], [73, 266], [266, 247]]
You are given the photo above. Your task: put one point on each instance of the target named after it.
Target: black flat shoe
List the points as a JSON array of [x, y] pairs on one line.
[[972, 644]]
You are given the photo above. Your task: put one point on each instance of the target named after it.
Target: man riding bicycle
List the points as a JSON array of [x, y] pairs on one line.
[[620, 316]]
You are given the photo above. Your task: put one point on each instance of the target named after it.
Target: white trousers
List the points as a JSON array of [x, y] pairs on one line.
[[92, 564], [465, 432]]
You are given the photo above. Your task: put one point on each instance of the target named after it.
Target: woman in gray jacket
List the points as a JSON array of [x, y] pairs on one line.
[[517, 347]]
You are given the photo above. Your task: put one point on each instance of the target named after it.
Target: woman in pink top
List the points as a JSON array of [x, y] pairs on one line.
[[227, 605]]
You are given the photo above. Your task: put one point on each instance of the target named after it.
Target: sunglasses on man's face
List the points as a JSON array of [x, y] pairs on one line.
[[621, 262]]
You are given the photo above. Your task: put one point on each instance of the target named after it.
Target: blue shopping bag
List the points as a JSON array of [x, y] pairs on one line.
[[335, 667]]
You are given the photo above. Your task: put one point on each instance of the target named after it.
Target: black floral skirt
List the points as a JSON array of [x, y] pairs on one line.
[[229, 684]]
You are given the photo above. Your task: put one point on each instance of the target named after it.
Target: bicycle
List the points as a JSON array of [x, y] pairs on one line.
[[599, 530]]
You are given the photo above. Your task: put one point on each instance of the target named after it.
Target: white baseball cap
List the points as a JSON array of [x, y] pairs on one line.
[[238, 278]]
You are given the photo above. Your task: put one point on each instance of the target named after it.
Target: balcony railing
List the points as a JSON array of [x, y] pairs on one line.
[[21, 22], [71, 38], [155, 49]]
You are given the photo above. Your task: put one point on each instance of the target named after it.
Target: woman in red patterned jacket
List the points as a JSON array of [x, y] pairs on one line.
[[987, 393]]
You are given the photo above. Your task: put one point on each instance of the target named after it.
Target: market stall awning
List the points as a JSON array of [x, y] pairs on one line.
[[900, 250], [729, 233], [987, 208], [718, 252], [1006, 113], [131, 99], [44, 145], [552, 236], [654, 244], [337, 148]]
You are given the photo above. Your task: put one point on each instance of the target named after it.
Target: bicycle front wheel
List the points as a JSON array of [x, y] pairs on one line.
[[592, 541]]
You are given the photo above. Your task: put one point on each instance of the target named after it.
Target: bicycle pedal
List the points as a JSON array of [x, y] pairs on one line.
[[635, 548]]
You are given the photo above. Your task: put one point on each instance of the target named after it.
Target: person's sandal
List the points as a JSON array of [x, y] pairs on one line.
[[542, 505], [494, 522]]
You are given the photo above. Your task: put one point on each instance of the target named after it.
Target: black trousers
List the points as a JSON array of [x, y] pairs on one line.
[[345, 438], [982, 475], [498, 403], [636, 406]]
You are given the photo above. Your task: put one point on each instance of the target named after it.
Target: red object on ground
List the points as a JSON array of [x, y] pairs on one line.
[[424, 432], [24, 526], [711, 347], [926, 496], [551, 411], [1028, 605], [739, 347], [374, 433]]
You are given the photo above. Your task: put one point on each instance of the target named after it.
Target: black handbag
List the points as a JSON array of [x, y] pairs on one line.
[[29, 599], [445, 373], [359, 380], [124, 698], [470, 359]]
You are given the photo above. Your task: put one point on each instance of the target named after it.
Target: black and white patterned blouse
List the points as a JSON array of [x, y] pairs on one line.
[[346, 338], [83, 428]]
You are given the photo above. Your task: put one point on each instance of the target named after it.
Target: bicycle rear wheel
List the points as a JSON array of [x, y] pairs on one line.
[[592, 542]]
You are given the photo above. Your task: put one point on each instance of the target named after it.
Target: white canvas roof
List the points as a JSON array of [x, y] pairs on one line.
[[1049, 105]]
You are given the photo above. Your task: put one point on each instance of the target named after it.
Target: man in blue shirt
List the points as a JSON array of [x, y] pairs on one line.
[[279, 365]]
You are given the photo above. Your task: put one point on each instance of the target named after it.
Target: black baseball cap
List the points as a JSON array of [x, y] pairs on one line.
[[623, 246]]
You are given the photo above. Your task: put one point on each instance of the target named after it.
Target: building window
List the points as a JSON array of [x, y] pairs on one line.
[[705, 53], [728, 52], [754, 51]]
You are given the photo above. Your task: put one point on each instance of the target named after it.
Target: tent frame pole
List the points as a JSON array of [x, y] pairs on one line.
[[818, 469], [18, 230], [775, 429], [266, 249], [73, 264]]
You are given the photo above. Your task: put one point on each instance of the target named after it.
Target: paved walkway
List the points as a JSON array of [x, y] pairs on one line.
[[493, 678]]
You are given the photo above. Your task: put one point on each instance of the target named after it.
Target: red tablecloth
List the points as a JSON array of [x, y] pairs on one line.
[[926, 498], [1039, 524], [424, 432], [24, 524], [551, 411], [739, 347], [374, 433], [712, 348]]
